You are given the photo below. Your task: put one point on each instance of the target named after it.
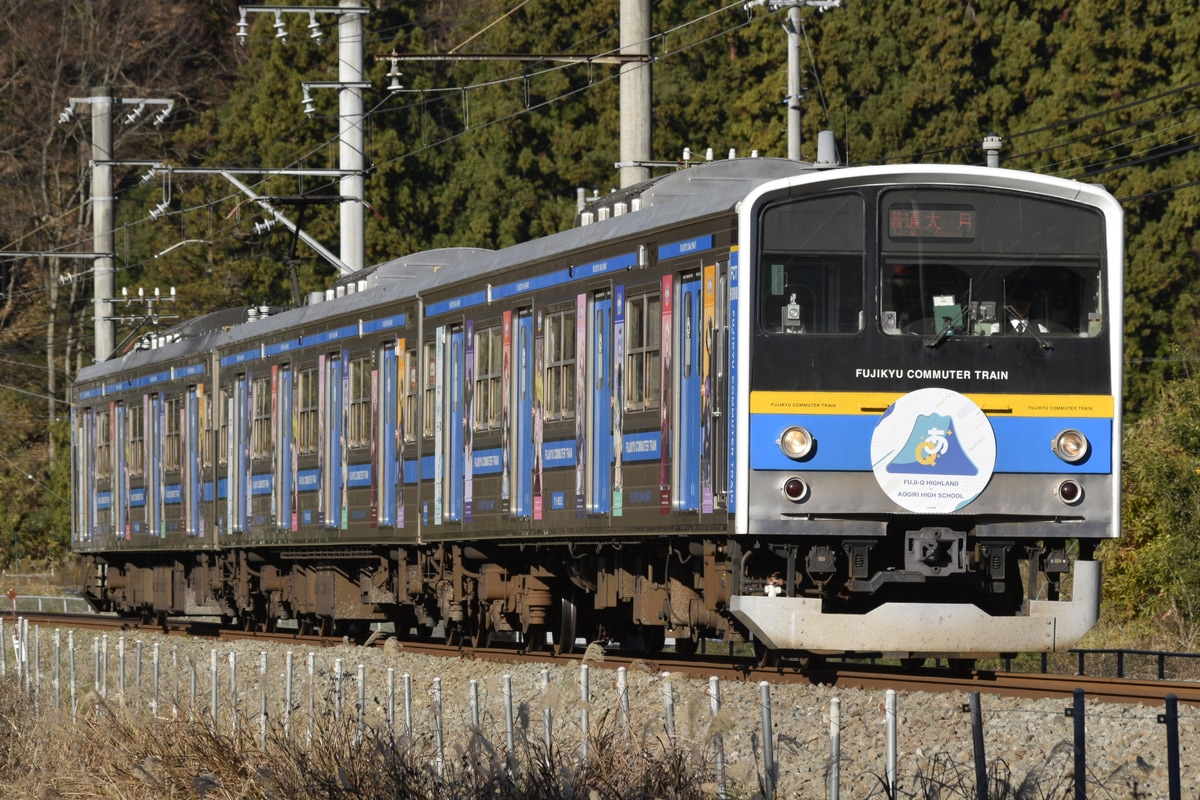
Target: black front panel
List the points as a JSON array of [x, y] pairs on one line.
[[980, 290]]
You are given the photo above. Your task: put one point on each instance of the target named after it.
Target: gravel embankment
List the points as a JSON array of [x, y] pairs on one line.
[[1026, 741]]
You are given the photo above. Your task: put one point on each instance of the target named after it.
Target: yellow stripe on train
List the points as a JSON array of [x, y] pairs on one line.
[[1017, 405]]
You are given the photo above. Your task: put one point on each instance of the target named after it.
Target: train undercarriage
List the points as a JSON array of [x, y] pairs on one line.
[[559, 595]]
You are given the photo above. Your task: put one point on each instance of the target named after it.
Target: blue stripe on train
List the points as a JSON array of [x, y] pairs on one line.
[[844, 443]]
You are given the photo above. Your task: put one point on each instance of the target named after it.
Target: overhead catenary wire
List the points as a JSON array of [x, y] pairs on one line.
[[662, 37]]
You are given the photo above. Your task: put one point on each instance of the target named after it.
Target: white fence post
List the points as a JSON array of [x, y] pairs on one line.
[[57, 669], [262, 698], [835, 748], [71, 672], [623, 698], [337, 688], [213, 685], [768, 739], [714, 694], [287, 694], [669, 707], [547, 714], [391, 701], [233, 695], [362, 701], [585, 696], [890, 705], [408, 710], [437, 725]]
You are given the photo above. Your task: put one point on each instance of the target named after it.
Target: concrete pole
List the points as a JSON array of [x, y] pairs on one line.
[[102, 220], [636, 94], [793, 98], [351, 136]]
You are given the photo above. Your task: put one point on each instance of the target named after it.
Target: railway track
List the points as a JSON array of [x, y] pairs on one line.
[[840, 674]]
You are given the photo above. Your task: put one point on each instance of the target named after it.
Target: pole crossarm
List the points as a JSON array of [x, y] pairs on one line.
[[51, 254], [291, 226], [565, 58], [336, 85], [140, 104], [308, 172], [303, 9]]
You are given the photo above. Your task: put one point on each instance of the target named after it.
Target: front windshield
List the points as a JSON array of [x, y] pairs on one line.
[[956, 263], [811, 266]]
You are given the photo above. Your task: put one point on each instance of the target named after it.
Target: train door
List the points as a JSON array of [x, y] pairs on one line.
[[523, 427], [715, 341], [386, 447], [686, 456], [120, 478], [454, 458], [239, 462], [154, 476], [600, 440], [190, 472], [333, 455], [437, 380], [284, 465], [82, 476]]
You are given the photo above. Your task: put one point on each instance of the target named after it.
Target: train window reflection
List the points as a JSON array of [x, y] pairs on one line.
[[995, 263], [993, 298]]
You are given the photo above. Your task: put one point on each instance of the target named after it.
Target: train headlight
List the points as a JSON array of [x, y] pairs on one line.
[[796, 442], [1069, 492], [1070, 445]]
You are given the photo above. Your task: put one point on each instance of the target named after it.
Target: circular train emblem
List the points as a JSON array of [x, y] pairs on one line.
[[933, 451]]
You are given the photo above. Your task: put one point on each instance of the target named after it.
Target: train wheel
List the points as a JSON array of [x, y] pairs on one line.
[[913, 663], [653, 639], [534, 638], [765, 657], [961, 664], [686, 646], [564, 642], [481, 631], [811, 663]]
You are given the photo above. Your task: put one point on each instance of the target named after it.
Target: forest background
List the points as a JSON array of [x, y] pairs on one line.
[[489, 154]]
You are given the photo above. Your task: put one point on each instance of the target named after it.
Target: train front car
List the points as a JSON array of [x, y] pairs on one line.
[[928, 365]]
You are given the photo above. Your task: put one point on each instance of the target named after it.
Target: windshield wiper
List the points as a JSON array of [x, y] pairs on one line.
[[1027, 326], [946, 330]]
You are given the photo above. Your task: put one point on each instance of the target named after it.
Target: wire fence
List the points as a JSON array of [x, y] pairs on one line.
[[259, 695]]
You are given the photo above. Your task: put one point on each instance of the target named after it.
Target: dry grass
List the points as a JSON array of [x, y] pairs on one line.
[[109, 753]]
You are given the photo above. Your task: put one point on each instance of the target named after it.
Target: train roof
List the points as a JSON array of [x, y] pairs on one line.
[[697, 192], [694, 193]]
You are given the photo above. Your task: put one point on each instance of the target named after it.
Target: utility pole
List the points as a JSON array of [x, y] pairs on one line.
[[353, 141], [102, 103], [795, 94], [636, 93], [351, 114], [102, 220]]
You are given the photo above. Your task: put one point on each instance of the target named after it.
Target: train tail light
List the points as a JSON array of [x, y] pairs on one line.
[[1069, 492], [795, 490]]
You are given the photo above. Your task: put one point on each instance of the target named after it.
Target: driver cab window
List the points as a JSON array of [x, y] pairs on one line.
[[929, 299], [958, 263], [810, 276]]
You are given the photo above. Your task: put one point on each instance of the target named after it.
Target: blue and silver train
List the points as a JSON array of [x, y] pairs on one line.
[[866, 410]]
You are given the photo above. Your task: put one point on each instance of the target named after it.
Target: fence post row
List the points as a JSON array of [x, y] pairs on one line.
[[27, 668]]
